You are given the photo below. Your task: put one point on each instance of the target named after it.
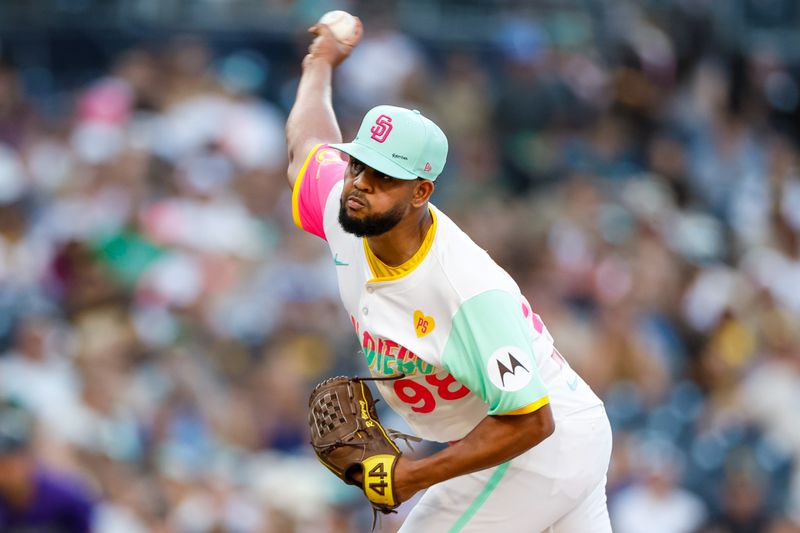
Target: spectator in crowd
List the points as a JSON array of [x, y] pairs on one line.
[[653, 501], [32, 497]]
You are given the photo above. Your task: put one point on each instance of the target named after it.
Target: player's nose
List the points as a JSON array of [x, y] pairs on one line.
[[361, 181]]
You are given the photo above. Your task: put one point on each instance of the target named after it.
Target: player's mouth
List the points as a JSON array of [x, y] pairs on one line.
[[354, 203]]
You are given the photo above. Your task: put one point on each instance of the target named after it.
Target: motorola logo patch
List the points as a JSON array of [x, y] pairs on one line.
[[510, 368]]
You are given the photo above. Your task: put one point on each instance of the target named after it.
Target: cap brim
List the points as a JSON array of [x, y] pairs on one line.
[[376, 160]]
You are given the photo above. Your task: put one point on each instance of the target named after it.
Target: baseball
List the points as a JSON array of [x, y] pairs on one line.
[[345, 27]]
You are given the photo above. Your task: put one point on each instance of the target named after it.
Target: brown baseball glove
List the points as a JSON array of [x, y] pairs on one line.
[[348, 438]]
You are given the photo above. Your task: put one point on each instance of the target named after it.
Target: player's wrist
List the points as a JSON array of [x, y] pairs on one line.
[[409, 478], [317, 61]]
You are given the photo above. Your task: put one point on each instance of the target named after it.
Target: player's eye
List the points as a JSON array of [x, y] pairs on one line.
[[356, 166]]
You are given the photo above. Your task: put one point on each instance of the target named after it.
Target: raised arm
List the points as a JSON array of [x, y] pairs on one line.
[[312, 120]]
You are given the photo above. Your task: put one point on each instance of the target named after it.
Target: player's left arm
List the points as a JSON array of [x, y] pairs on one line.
[[490, 351], [495, 440]]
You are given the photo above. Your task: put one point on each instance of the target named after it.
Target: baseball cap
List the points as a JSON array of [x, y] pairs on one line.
[[399, 142]]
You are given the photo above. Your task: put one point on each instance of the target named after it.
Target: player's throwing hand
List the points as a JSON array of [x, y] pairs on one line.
[[326, 48]]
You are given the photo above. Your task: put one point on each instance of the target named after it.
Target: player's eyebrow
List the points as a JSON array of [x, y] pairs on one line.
[[354, 161]]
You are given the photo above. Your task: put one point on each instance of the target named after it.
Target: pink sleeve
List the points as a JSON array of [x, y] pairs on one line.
[[323, 169]]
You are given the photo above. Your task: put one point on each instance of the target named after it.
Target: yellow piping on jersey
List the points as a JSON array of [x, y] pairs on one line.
[[296, 191], [383, 272], [535, 406]]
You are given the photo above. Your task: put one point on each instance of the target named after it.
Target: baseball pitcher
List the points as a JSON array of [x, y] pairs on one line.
[[454, 346]]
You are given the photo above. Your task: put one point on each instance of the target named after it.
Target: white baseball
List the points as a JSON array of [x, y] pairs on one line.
[[345, 27]]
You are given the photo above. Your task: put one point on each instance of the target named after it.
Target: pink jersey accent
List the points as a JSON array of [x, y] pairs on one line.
[[323, 169], [535, 319]]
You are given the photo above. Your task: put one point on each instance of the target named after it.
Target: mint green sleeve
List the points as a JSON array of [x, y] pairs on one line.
[[489, 350]]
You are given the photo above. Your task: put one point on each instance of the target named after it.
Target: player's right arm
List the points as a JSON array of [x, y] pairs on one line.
[[312, 120]]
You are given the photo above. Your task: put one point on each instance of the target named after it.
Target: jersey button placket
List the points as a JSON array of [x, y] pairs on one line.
[[369, 288]]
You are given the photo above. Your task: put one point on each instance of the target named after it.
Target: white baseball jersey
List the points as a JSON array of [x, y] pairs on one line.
[[457, 326]]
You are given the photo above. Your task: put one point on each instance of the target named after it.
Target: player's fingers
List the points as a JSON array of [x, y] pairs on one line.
[[322, 30], [323, 33], [315, 44]]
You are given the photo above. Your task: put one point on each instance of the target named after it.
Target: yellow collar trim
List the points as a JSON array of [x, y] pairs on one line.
[[383, 272]]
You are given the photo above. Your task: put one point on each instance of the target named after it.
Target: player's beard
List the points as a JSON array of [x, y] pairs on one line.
[[370, 225]]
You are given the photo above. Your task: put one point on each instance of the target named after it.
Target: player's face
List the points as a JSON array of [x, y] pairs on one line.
[[372, 203]]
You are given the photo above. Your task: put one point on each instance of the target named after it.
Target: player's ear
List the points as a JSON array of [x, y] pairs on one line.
[[422, 192]]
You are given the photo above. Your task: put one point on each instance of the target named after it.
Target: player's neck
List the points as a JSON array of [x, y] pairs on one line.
[[399, 244]]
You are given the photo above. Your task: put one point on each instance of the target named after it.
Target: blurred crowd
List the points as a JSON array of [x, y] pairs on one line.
[[163, 322]]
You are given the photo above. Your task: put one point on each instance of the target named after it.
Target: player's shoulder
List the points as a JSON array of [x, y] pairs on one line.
[[327, 155], [322, 164], [468, 268]]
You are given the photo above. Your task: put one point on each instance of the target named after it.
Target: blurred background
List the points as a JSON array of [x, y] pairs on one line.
[[633, 164]]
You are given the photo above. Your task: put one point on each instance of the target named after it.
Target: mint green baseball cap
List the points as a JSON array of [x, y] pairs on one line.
[[399, 142]]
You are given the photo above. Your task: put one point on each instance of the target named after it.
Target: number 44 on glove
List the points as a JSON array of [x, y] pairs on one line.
[[349, 439]]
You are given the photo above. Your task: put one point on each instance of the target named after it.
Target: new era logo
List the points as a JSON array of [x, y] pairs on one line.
[[428, 167]]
